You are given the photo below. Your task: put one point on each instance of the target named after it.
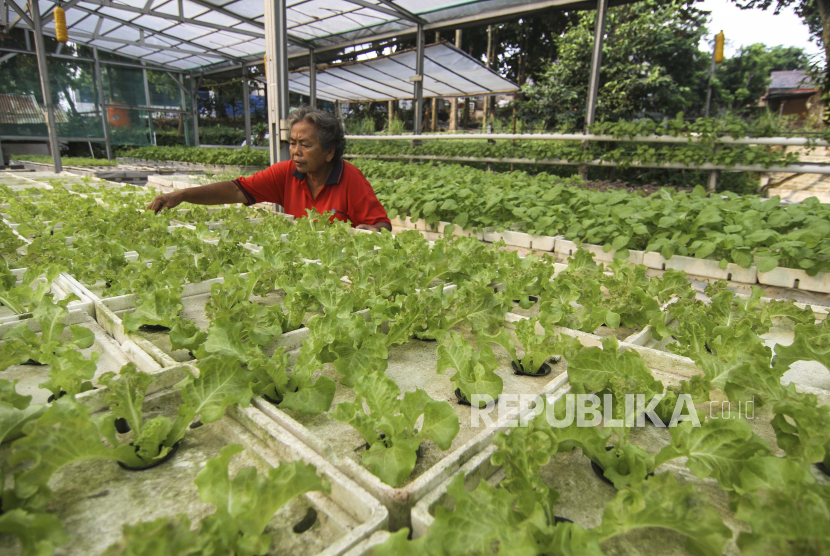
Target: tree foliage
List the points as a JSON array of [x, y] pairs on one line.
[[651, 64]]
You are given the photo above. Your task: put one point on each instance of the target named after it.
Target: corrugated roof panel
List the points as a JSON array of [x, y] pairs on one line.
[[387, 77]]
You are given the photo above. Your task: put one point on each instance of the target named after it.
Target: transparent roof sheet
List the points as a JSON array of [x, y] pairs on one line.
[[230, 32], [448, 72]]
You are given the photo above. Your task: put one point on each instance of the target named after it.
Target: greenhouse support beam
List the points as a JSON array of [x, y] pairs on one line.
[[137, 64], [99, 85], [418, 104], [194, 110], [169, 17], [376, 7], [454, 101], [596, 63], [246, 105], [404, 14], [149, 102], [51, 123], [41, 139], [276, 72], [50, 15], [183, 100], [153, 32], [22, 15], [788, 141], [312, 79], [793, 168], [296, 41]]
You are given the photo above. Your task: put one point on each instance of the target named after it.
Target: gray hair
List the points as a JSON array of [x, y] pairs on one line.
[[329, 129]]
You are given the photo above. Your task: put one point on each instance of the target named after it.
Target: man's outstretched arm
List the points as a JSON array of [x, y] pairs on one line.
[[375, 227], [219, 193]]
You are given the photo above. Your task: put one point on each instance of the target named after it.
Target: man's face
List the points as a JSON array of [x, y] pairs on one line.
[[306, 152]]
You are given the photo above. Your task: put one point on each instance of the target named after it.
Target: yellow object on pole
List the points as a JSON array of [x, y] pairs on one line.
[[60, 25], [265, 66], [719, 40]]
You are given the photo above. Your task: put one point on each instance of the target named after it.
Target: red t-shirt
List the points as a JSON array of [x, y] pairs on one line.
[[346, 192]]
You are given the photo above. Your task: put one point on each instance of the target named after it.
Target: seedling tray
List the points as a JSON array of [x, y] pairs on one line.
[[95, 499]]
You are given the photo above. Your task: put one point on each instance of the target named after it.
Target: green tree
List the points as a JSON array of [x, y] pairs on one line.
[[651, 65], [741, 80]]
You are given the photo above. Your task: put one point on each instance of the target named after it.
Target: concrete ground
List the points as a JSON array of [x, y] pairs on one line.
[[798, 187]]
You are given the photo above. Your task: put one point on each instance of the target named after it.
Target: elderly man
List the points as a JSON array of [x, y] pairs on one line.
[[315, 177]]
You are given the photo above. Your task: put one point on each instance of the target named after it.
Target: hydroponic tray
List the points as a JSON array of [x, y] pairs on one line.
[[94, 499], [411, 366], [583, 495], [111, 356]]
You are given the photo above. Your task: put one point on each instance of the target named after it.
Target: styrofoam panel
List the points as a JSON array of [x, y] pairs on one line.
[[796, 279]]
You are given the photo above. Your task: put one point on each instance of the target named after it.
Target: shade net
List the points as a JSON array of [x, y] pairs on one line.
[[74, 96]]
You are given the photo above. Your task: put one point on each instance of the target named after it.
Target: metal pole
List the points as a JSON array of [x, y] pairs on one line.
[[99, 83], [183, 100], [34, 11], [312, 78], [276, 72], [246, 105], [709, 87], [195, 110], [593, 84], [454, 101], [489, 65], [148, 103], [596, 63], [418, 104]]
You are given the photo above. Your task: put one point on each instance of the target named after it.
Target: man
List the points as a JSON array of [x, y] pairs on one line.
[[315, 177]]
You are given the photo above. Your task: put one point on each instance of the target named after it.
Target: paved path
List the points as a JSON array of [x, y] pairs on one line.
[[802, 186]]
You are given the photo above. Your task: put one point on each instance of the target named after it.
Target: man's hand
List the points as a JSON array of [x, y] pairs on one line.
[[167, 201]]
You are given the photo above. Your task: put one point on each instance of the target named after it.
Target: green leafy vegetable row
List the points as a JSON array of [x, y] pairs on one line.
[[745, 230]]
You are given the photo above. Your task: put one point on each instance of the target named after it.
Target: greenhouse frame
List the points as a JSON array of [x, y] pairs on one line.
[[188, 39]]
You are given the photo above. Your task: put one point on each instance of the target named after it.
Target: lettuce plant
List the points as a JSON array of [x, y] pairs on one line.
[[538, 348], [524, 276], [161, 307], [389, 426], [21, 344], [473, 367], [26, 296], [15, 410]]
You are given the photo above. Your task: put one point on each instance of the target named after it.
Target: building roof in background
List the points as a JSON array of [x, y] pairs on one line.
[[24, 109], [796, 83], [788, 80]]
